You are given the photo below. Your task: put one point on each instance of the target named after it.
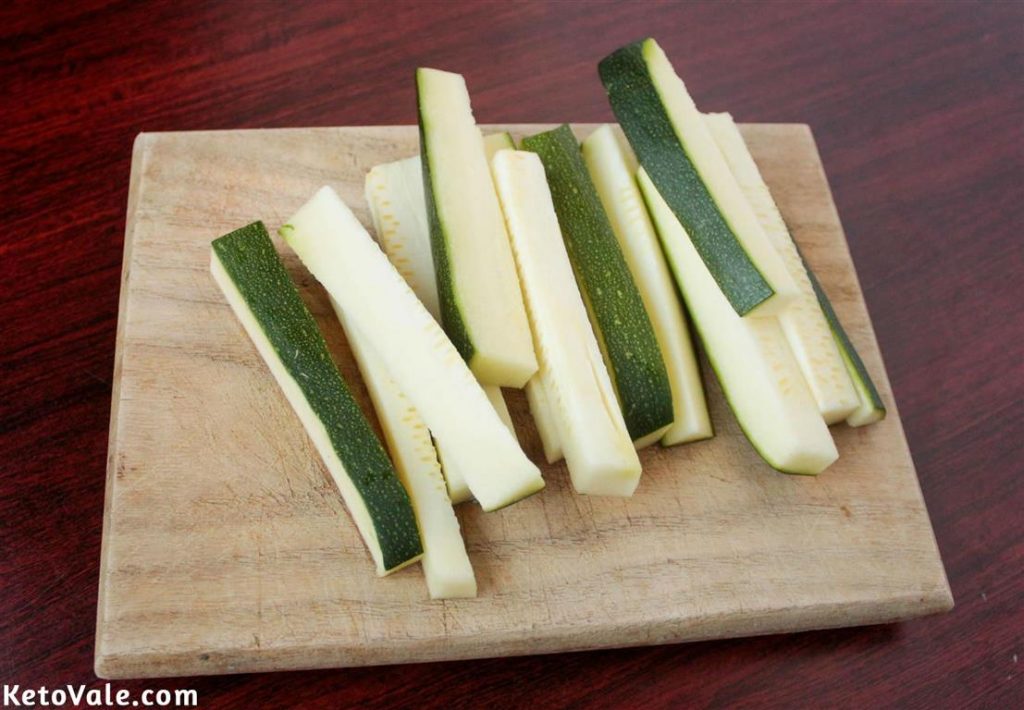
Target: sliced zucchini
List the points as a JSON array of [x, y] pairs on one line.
[[598, 450], [481, 303], [750, 356], [421, 360], [613, 168], [455, 480], [803, 322], [498, 141], [871, 408], [498, 402], [245, 265], [674, 146], [536, 399], [399, 217], [446, 565], [617, 312], [394, 193], [544, 418], [458, 488]]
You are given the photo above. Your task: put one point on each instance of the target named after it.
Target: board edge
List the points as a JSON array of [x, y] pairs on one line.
[[140, 151]]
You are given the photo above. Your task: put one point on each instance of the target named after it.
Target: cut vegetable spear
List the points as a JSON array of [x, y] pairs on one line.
[[418, 356], [446, 565], [871, 408], [616, 310], [246, 267], [759, 376], [458, 488], [598, 450], [544, 419], [674, 146], [804, 323], [394, 193], [480, 299], [613, 169], [536, 398], [498, 141]]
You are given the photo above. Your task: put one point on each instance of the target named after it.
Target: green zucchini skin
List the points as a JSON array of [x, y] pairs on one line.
[[705, 328], [638, 107], [616, 309], [846, 348], [250, 260], [451, 314]]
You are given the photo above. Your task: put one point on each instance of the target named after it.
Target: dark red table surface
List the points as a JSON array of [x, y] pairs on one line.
[[918, 111]]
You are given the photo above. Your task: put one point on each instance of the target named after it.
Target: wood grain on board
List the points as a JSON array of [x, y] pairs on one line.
[[227, 548]]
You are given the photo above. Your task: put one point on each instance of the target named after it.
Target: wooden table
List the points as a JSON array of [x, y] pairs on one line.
[[917, 109]]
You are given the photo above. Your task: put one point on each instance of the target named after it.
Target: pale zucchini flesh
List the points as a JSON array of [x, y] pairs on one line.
[[804, 324], [544, 419], [420, 359], [455, 480], [497, 141], [394, 192], [535, 397], [246, 267], [617, 313], [871, 408], [498, 402], [758, 374], [613, 168], [598, 450], [458, 489], [671, 141], [480, 300], [446, 566]]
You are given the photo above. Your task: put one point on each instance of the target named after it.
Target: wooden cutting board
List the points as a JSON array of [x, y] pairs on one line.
[[227, 549]]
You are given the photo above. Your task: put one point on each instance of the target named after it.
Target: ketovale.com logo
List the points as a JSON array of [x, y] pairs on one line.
[[78, 696]]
